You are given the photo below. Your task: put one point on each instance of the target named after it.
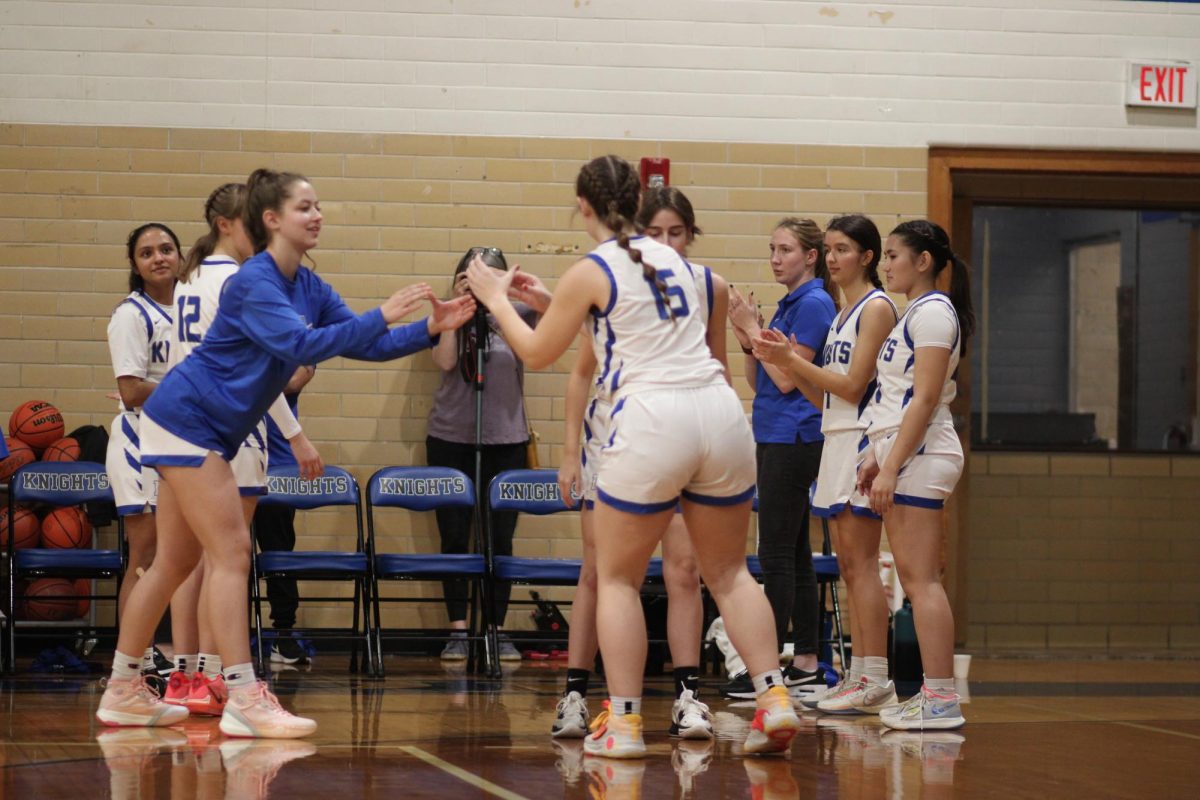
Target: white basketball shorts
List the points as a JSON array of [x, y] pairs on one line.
[[134, 483], [836, 487], [929, 477]]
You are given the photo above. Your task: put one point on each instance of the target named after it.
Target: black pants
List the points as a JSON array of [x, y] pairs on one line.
[[454, 524], [275, 529], [785, 473]]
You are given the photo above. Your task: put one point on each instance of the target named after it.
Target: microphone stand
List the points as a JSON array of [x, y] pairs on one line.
[[483, 533]]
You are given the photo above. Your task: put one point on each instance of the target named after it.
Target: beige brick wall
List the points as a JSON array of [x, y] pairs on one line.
[[399, 208], [1093, 552]]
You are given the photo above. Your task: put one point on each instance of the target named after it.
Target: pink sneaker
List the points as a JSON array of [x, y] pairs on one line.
[[206, 697], [132, 702], [178, 687], [253, 712]]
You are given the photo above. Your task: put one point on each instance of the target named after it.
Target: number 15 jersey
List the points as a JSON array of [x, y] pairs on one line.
[[645, 339]]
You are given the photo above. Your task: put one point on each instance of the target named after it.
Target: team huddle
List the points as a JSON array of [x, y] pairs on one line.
[[661, 450]]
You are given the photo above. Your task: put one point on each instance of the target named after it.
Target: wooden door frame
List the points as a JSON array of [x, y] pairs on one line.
[[953, 210]]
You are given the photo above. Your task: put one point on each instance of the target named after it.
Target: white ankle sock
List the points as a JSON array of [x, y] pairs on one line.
[[209, 664], [185, 663], [766, 680], [624, 705], [148, 659], [856, 668], [125, 667], [942, 686], [239, 676], [875, 668]]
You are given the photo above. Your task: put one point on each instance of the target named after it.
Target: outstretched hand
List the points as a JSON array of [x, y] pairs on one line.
[[405, 301], [489, 286], [528, 288], [770, 347], [450, 315]]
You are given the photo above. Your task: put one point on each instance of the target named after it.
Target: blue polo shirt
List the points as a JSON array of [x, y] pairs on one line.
[[279, 452], [789, 418]]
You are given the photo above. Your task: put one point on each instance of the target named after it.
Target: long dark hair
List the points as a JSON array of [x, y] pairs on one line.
[[612, 188], [266, 190], [667, 198], [227, 201], [862, 231], [923, 236], [465, 335], [136, 282]]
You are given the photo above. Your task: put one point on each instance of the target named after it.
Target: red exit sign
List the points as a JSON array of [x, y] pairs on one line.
[[1162, 84]]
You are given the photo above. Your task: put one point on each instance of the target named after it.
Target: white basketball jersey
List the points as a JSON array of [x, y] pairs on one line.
[[840, 414], [929, 321], [139, 339], [642, 338], [196, 303]]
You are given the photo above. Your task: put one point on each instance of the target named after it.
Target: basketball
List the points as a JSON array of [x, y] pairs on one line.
[[36, 423], [65, 449], [50, 600], [19, 454], [26, 525], [83, 587], [64, 528]]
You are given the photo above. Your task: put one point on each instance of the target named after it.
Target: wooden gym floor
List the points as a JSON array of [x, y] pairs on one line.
[[1036, 729]]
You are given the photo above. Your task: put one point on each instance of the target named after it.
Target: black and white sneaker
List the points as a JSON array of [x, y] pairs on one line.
[[287, 650], [800, 681], [163, 666], [739, 687]]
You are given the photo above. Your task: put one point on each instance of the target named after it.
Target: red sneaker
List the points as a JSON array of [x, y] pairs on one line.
[[206, 696], [178, 688]]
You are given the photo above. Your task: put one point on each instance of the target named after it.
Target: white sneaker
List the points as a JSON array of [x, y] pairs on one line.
[[570, 717], [133, 702], [810, 700], [690, 719], [924, 711], [864, 697]]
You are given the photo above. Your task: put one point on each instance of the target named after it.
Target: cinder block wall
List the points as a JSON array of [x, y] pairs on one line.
[[1085, 552], [398, 209]]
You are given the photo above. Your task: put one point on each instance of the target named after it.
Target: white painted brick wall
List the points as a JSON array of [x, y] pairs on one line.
[[1017, 72]]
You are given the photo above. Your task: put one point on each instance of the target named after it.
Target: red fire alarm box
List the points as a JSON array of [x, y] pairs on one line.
[[655, 172]]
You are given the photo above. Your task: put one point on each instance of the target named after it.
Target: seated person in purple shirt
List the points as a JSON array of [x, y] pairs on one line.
[[450, 442]]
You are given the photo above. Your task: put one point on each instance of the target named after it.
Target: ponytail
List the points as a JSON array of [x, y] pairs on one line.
[[227, 201], [810, 237], [960, 298], [266, 190], [923, 236]]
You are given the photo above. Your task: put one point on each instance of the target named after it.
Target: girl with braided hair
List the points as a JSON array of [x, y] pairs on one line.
[[677, 435], [914, 457]]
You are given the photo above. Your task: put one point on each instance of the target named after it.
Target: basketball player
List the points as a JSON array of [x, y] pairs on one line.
[[212, 260], [847, 380], [274, 316], [676, 433], [139, 341], [914, 458], [666, 216]]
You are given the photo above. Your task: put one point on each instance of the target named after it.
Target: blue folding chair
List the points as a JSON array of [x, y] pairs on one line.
[[530, 491], [58, 483], [423, 489], [336, 487]]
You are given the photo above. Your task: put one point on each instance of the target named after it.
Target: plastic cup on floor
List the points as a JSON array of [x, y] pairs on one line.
[[962, 665]]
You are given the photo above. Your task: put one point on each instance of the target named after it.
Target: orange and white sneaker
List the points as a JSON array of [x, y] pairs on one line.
[[253, 712], [615, 735], [134, 703], [775, 723], [206, 697], [178, 687]]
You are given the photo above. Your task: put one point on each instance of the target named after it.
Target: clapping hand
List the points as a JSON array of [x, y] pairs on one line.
[[490, 286], [770, 346]]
